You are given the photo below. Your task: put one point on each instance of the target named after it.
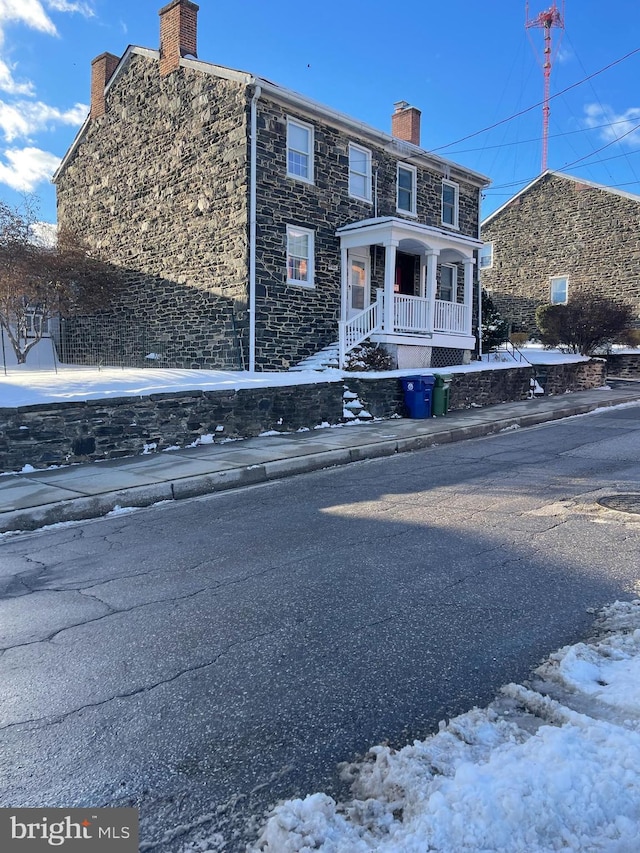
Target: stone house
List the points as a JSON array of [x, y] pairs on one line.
[[256, 226], [558, 237]]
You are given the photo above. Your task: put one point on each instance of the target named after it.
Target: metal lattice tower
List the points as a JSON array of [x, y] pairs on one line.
[[546, 21]]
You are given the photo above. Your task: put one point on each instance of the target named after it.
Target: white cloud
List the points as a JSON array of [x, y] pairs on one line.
[[29, 12], [27, 167], [33, 14], [618, 124], [24, 118], [11, 86], [69, 6]]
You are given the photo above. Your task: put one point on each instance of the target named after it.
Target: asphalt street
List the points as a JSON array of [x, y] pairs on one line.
[[202, 659]]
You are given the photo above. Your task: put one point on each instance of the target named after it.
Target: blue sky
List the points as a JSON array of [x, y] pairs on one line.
[[466, 64]]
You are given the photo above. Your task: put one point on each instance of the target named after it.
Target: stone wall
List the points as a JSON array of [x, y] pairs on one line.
[[561, 227], [63, 433], [625, 366], [158, 185]]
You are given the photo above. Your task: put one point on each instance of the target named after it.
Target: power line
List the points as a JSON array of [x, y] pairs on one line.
[[535, 106], [537, 138], [598, 150]]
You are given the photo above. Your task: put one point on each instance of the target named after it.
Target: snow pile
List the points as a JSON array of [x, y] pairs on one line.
[[549, 767]]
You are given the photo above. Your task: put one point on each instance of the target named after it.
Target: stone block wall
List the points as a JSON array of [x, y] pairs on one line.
[[561, 227], [626, 366], [158, 185], [63, 433]]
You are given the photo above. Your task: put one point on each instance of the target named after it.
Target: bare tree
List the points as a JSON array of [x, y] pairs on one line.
[[39, 281]]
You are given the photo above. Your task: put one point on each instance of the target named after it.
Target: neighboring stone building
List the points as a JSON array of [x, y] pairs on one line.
[[257, 226], [561, 236]]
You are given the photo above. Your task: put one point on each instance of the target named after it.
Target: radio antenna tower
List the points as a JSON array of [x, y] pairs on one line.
[[546, 21]]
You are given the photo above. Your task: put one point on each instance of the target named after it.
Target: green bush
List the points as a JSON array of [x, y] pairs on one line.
[[495, 329]]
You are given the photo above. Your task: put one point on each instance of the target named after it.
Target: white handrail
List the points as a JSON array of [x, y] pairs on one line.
[[358, 328], [451, 317]]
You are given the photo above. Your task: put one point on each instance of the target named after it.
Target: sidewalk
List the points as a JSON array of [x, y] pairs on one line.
[[32, 500]]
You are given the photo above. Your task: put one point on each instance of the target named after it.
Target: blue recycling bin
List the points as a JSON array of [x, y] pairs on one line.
[[418, 392]]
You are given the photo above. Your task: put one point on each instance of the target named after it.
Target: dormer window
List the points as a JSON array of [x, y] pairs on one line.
[[299, 150]]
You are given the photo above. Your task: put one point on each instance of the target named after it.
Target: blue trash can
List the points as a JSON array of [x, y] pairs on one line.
[[417, 395]]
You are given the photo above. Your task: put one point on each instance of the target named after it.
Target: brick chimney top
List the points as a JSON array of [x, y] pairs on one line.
[[102, 68], [178, 33], [405, 122]]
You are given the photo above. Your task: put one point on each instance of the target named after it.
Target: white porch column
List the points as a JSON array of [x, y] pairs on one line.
[[468, 264], [430, 284], [344, 282], [389, 281], [423, 275]]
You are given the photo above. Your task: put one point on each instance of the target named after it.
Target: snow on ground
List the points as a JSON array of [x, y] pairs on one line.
[[552, 766], [39, 381]]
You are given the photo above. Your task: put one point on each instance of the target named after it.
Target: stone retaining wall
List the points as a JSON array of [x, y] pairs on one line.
[[625, 366], [63, 433]]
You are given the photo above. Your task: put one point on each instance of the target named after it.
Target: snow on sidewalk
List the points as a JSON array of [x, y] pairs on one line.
[[548, 767]]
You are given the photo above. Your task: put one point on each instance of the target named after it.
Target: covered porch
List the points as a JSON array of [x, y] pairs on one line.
[[415, 291]]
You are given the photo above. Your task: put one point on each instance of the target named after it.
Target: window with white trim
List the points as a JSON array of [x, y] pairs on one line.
[[485, 257], [300, 259], [559, 289], [406, 189], [299, 150], [450, 204], [447, 289], [359, 172]]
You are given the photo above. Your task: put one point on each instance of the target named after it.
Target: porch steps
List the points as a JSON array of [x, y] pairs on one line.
[[325, 359]]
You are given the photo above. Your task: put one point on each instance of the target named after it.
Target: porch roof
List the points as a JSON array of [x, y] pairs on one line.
[[392, 230]]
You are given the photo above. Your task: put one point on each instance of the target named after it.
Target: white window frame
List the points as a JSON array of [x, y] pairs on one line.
[[456, 204], [310, 282], [552, 280], [366, 174], [454, 282], [485, 257], [414, 186], [308, 179]]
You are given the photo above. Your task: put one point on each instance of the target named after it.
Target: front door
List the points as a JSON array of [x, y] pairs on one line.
[[358, 283]]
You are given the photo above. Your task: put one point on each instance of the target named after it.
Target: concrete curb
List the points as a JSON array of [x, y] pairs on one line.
[[85, 508]]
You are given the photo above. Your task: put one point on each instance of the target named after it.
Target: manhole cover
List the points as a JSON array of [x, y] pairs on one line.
[[623, 503]]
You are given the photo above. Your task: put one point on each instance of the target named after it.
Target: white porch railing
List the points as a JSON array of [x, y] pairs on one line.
[[359, 327], [451, 317], [411, 314]]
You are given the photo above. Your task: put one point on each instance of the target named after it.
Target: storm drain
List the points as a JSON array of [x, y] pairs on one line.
[[623, 503]]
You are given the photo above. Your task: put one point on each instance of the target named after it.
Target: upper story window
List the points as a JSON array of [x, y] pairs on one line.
[[406, 194], [359, 172], [450, 204], [559, 289], [299, 150], [300, 261], [486, 257]]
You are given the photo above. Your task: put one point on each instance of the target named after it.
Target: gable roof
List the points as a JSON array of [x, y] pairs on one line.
[[406, 150], [563, 176]]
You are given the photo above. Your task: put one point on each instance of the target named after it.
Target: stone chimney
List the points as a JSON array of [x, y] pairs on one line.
[[405, 123], [178, 34], [102, 68]]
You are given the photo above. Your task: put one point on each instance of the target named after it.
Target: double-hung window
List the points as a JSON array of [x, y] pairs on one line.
[[447, 290], [299, 150], [406, 192], [486, 256], [300, 256], [359, 173], [559, 289], [450, 204]]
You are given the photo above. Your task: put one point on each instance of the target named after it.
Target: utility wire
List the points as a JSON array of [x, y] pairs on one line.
[[540, 103]]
